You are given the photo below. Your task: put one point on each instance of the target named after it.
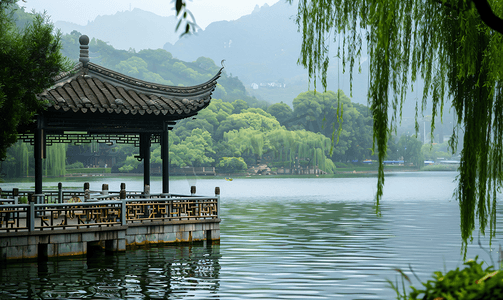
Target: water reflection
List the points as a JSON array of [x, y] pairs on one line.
[[155, 273]]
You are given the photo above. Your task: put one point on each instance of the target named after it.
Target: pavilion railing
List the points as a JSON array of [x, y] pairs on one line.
[[113, 209]]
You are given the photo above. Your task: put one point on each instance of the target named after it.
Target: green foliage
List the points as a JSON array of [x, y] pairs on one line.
[[281, 111], [54, 164], [193, 150], [283, 146], [156, 58], [29, 59], [440, 168], [75, 165], [20, 160], [130, 164], [472, 282], [229, 125], [137, 68], [320, 112], [239, 105], [256, 119], [231, 165], [71, 45], [409, 148], [451, 49]]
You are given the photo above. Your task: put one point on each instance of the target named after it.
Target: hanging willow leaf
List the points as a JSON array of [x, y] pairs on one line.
[[446, 44]]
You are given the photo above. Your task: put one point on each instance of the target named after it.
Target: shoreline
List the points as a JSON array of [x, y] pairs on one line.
[[337, 174]]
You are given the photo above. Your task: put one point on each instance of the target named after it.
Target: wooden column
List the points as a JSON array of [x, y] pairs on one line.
[[39, 153], [165, 158], [145, 155]]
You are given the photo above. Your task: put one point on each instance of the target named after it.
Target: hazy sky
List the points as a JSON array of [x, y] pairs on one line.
[[82, 11]]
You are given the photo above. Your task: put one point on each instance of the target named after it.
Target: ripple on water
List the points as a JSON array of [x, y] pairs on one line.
[[278, 242]]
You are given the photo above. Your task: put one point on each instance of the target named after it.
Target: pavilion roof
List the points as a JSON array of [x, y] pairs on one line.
[[101, 92]]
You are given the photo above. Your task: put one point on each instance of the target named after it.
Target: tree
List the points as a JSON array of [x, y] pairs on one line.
[[137, 68], [409, 148], [321, 112], [436, 151], [29, 60], [256, 118], [448, 45], [239, 105], [281, 111], [232, 164], [193, 151]]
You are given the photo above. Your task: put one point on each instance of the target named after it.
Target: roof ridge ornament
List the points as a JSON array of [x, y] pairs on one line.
[[84, 50]]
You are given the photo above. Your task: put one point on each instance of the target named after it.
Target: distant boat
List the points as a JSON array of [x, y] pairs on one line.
[[228, 178]]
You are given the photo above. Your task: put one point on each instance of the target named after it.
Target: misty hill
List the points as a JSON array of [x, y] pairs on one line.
[[261, 48], [136, 29]]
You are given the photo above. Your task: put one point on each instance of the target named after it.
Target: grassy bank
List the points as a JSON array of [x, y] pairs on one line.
[[88, 171], [440, 168]]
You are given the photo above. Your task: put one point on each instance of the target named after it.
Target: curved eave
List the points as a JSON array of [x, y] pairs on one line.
[[99, 90], [147, 114], [149, 87]]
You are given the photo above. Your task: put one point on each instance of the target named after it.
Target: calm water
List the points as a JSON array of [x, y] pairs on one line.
[[291, 238]]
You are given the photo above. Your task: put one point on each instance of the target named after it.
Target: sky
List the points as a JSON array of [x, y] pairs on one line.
[[82, 11]]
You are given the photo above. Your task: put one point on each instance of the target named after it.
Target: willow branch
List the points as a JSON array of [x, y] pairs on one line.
[[487, 15]]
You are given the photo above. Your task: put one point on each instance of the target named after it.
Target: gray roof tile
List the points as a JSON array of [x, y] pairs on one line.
[[99, 90]]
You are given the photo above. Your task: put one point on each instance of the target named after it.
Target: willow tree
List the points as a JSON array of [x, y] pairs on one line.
[[55, 164], [446, 43]]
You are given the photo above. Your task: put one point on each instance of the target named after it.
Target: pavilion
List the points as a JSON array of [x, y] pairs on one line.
[[93, 103]]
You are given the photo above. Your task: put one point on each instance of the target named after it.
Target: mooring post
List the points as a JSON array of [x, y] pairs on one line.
[[122, 195], [104, 189], [217, 194], [31, 212], [86, 191], [193, 190], [60, 192]]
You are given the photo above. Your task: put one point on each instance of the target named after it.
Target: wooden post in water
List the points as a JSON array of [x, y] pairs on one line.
[[122, 196], [217, 194], [193, 190]]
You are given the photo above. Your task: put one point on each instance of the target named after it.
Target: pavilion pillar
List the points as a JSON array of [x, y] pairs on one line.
[[39, 153], [145, 155], [165, 158]]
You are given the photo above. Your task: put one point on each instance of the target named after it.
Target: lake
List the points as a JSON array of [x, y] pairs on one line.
[[281, 238]]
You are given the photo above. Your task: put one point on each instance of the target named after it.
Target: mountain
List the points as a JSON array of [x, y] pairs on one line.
[[262, 49], [136, 29]]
